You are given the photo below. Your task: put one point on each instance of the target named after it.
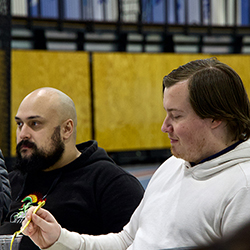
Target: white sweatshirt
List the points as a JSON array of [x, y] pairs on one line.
[[183, 206]]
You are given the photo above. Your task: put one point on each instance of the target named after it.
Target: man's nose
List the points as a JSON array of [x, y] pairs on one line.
[[24, 133], [166, 126]]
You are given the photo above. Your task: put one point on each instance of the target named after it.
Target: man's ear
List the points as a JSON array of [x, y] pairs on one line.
[[215, 123], [67, 129]]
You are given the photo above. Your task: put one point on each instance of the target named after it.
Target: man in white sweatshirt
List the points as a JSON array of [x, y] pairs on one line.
[[202, 192]]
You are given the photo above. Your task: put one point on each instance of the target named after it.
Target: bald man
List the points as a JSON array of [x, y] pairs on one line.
[[83, 188]]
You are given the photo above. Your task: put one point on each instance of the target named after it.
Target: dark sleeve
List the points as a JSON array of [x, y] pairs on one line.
[[5, 191], [118, 201]]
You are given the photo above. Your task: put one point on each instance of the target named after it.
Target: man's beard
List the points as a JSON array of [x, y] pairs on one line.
[[40, 160]]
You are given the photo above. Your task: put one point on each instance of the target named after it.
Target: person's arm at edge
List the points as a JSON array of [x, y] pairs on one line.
[[5, 190], [74, 241], [47, 234]]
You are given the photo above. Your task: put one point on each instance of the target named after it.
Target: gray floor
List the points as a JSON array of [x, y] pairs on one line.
[[143, 172]]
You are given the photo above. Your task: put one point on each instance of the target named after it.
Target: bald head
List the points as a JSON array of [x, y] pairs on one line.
[[50, 103], [46, 130]]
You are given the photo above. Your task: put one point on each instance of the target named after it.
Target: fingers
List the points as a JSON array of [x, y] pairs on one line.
[[46, 215], [42, 229], [43, 224], [34, 220], [29, 230], [30, 211]]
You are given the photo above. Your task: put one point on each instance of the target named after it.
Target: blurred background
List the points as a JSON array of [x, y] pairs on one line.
[[110, 57]]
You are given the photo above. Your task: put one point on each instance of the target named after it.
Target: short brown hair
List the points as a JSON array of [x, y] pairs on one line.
[[215, 91]]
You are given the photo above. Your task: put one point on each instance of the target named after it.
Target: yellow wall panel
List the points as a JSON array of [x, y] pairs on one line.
[[127, 91], [128, 98], [66, 71]]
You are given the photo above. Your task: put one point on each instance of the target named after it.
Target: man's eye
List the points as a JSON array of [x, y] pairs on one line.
[[34, 123], [176, 117], [19, 124]]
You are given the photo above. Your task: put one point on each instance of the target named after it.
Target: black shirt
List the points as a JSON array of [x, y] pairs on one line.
[[90, 195]]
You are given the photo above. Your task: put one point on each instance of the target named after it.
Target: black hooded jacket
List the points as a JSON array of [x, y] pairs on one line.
[[5, 193], [90, 195]]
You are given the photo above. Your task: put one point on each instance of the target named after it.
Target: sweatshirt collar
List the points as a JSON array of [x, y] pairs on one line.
[[221, 161], [231, 147]]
